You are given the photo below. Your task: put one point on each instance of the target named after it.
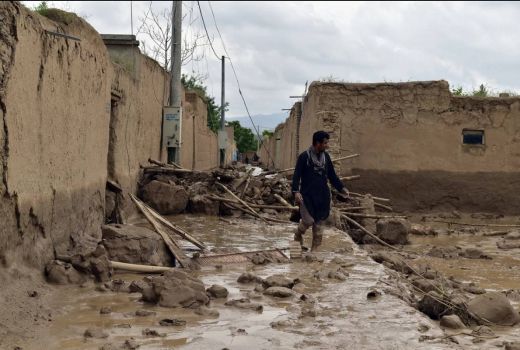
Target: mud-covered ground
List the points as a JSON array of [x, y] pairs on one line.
[[336, 313]]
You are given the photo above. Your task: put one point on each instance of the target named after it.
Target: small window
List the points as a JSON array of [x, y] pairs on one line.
[[472, 137]]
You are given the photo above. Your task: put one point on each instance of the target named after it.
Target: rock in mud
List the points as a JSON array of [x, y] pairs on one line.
[[336, 273], [172, 322], [216, 291], [207, 312], [512, 345], [474, 253], [144, 313], [493, 307], [109, 346], [310, 258], [176, 288], [199, 204], [452, 322], [137, 286], [392, 261], [425, 285], [135, 245], [130, 344], [147, 332], [245, 303], [513, 235], [444, 252], [508, 244], [119, 286], [96, 333], [279, 292], [278, 281], [166, 198], [431, 304], [373, 294], [95, 262], [421, 230], [105, 310], [260, 259], [393, 231], [59, 272], [248, 277], [473, 289]]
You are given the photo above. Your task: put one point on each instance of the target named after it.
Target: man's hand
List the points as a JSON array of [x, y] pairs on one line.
[[298, 199], [344, 193]]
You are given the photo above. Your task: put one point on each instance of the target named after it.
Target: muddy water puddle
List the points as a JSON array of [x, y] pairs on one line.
[[343, 318]]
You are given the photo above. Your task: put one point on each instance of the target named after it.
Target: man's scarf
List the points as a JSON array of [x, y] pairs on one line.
[[318, 160]]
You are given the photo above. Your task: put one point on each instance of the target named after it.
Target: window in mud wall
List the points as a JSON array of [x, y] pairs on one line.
[[472, 137]]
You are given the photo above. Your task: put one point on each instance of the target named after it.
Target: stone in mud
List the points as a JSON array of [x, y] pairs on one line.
[[166, 198], [245, 303], [119, 286], [59, 272], [493, 307], [216, 291], [175, 288], [474, 289], [109, 346], [310, 258], [483, 331], [172, 322], [96, 333], [105, 310], [373, 294], [135, 245], [510, 244], [248, 277], [144, 313], [431, 304], [207, 312], [474, 253], [278, 281], [452, 322], [337, 273], [199, 204], [147, 332], [130, 344], [444, 252], [137, 286], [393, 231], [512, 345], [393, 261], [513, 235], [260, 259], [279, 292], [342, 262], [425, 285], [421, 230], [95, 262]]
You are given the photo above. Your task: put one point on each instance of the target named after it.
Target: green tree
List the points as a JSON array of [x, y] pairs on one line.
[[244, 137], [267, 133], [195, 84], [42, 7], [458, 91], [481, 92]]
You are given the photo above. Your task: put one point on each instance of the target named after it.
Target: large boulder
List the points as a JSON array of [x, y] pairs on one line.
[[493, 307], [278, 281], [393, 231], [200, 204], [135, 245], [165, 198], [176, 288]]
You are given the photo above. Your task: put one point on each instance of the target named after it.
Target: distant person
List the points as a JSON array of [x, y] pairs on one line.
[[255, 157], [247, 160], [313, 168]]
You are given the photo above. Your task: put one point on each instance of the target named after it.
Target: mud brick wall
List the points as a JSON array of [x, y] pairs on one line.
[[409, 136]]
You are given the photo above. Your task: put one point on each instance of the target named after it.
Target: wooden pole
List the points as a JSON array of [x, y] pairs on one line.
[[292, 169], [372, 216], [170, 243], [241, 201], [252, 205], [116, 265], [185, 235], [470, 224], [373, 197], [350, 178]]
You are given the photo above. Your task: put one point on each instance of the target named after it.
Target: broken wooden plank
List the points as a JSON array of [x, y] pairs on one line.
[[185, 235], [373, 197], [252, 205], [174, 248], [240, 181], [241, 201], [245, 186], [284, 202], [471, 224]]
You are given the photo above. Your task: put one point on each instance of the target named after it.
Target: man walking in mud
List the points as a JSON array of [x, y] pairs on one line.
[[311, 191]]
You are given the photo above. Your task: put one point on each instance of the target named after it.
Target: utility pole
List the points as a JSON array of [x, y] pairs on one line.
[[172, 115], [222, 137]]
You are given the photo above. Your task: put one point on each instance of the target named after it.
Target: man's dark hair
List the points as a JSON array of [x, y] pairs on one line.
[[319, 136]]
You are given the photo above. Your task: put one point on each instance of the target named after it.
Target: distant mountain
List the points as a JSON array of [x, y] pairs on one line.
[[262, 121]]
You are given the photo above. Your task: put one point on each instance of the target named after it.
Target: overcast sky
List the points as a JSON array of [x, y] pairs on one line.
[[278, 46]]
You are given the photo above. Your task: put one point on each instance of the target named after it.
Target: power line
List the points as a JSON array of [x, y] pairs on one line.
[[236, 78], [209, 40]]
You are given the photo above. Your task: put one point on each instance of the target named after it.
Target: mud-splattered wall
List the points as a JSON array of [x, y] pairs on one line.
[[410, 139], [70, 119]]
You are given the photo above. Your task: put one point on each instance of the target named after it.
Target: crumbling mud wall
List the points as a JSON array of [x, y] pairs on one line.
[[410, 139], [54, 98], [135, 121], [199, 144]]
